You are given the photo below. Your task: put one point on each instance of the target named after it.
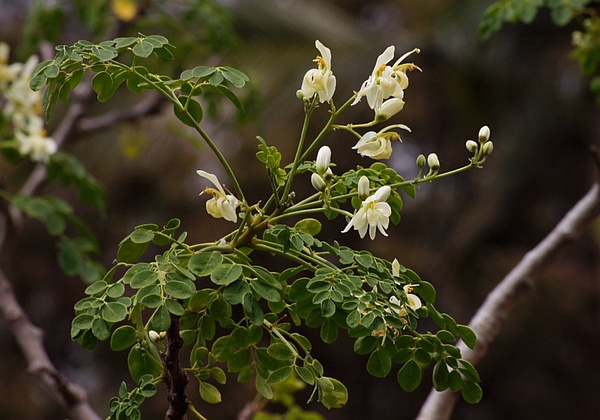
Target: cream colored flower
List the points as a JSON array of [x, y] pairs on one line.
[[374, 214], [320, 80], [385, 80], [37, 146], [222, 204], [378, 145]]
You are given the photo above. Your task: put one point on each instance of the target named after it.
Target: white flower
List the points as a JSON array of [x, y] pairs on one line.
[[378, 145], [320, 80], [36, 145], [373, 214], [222, 204], [385, 80], [388, 109]]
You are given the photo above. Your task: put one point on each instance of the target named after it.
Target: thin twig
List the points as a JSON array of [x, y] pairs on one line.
[[70, 396], [492, 314]]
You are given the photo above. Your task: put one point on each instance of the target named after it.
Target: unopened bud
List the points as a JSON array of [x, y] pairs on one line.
[[471, 146], [388, 109], [328, 175], [421, 161], [323, 159], [488, 148], [484, 134], [363, 188], [433, 162], [154, 336], [395, 268], [317, 182]]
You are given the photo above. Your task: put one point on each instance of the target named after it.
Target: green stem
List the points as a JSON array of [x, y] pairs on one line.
[[297, 160], [170, 95]]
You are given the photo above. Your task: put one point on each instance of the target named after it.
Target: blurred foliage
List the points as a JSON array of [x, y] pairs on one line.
[[586, 39]]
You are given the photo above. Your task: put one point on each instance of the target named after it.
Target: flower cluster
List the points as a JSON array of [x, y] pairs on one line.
[[22, 107]]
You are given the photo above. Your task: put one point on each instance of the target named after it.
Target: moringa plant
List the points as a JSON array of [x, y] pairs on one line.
[[240, 317]]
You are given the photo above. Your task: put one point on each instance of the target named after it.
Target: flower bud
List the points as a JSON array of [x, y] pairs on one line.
[[471, 146], [154, 336], [421, 161], [363, 188], [395, 268], [484, 134], [433, 162], [323, 159], [317, 182], [488, 148], [388, 109], [328, 175]]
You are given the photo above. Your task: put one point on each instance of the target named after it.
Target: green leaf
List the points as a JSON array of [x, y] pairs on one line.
[[123, 337], [329, 331], [410, 376], [440, 376], [143, 49], [467, 335], [309, 225], [180, 289], [263, 388], [426, 291], [239, 360], [234, 292], [102, 83], [204, 263], [327, 308], [191, 113], [223, 348], [83, 322], [305, 374], [379, 364], [114, 312], [279, 375], [220, 309], [332, 393], [202, 71], [471, 392], [141, 236], [252, 309], [226, 274], [160, 320], [209, 393], [100, 329], [231, 96], [96, 288], [140, 363], [280, 351], [365, 345], [130, 252], [264, 291], [144, 279]]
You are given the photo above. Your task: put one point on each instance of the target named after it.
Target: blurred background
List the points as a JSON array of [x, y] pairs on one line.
[[463, 233]]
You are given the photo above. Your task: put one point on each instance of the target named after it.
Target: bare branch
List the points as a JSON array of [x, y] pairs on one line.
[[30, 339], [149, 106], [492, 314]]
